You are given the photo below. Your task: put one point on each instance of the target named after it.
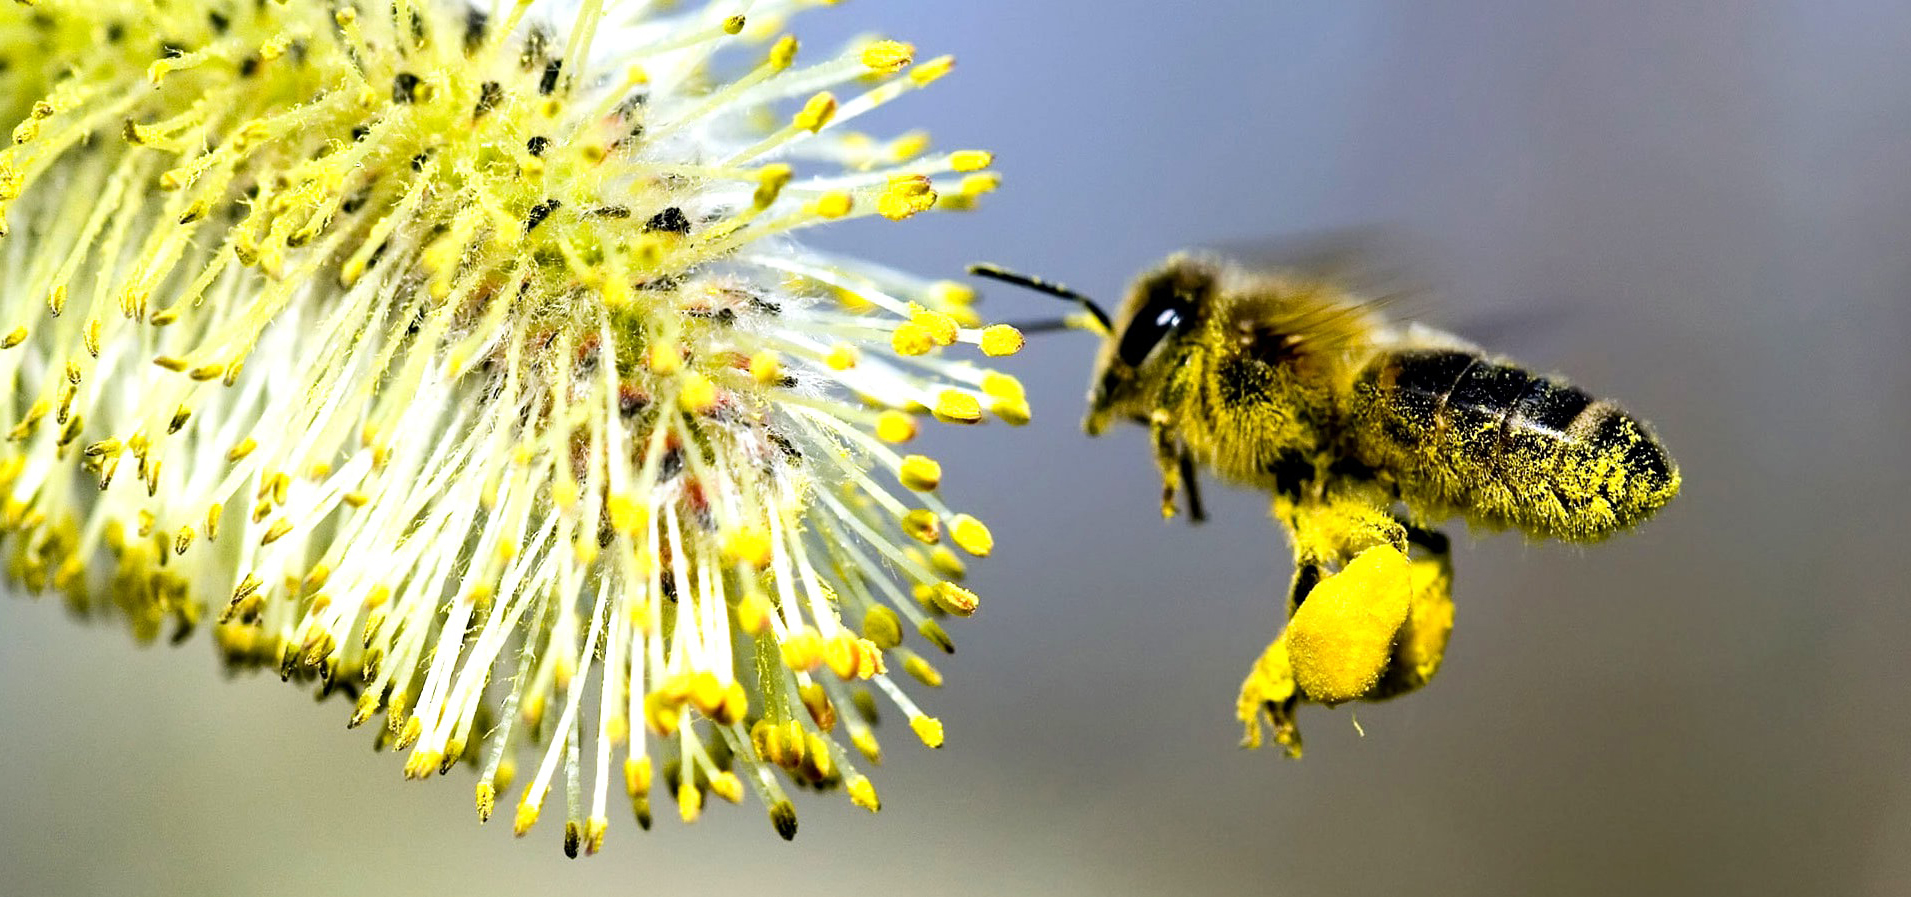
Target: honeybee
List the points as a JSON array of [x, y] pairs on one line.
[[1366, 433]]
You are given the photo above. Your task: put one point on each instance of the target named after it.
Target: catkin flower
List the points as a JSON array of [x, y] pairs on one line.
[[463, 363]]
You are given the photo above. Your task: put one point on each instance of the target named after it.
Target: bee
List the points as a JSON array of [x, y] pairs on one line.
[[1367, 434]]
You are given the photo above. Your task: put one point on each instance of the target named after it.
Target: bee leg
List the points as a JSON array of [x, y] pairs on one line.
[[1422, 641], [1268, 699], [1196, 513], [1168, 455]]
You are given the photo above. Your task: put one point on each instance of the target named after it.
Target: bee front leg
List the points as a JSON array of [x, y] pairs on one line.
[[1168, 457]]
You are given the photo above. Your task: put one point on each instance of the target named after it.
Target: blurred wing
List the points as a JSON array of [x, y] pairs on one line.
[[1396, 275]]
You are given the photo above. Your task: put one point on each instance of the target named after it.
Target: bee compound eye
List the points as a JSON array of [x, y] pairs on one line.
[[1164, 313]]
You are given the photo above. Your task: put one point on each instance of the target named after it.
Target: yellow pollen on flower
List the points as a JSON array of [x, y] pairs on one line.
[[920, 472]]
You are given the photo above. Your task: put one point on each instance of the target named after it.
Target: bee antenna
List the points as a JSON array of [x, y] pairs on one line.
[[997, 272]]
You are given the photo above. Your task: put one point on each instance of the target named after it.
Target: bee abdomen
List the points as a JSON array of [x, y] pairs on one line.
[[1464, 432]]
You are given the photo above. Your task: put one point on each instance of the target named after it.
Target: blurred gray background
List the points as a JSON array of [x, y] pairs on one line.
[[1718, 194]]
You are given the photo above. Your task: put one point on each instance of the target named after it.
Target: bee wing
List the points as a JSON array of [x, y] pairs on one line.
[[1395, 274], [1370, 261]]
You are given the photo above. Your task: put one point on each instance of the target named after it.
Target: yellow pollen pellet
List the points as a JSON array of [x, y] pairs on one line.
[[971, 160], [920, 472], [841, 358], [817, 112], [887, 56], [906, 196], [957, 407], [912, 339], [1002, 339], [972, 535], [953, 598]]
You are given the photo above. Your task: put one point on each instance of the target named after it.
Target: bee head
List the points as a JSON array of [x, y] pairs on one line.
[[1162, 305]]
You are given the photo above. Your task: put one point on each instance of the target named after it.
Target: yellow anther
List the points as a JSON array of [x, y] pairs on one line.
[[782, 53], [887, 56], [894, 426], [882, 627], [841, 358], [706, 692], [866, 744], [922, 525], [766, 367], [928, 72], [920, 472], [770, 181], [909, 146], [527, 815], [14, 337], [696, 393], [727, 786], [927, 728], [940, 327], [665, 358], [748, 545], [626, 514], [972, 535], [906, 195], [734, 706], [1002, 386], [971, 160], [978, 184], [953, 598], [863, 794], [1002, 339], [833, 205], [636, 775], [921, 671], [803, 650], [817, 112], [689, 802], [734, 24], [912, 339], [957, 407], [1014, 412], [753, 614]]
